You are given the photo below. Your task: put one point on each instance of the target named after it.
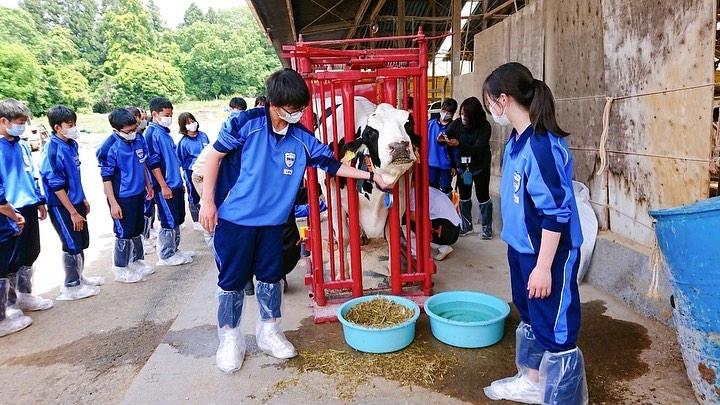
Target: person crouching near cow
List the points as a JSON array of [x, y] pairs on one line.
[[444, 221], [123, 159], [67, 206], [541, 226], [189, 147], [275, 151]]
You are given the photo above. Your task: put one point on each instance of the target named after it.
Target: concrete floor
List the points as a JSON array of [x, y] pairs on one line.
[[154, 342]]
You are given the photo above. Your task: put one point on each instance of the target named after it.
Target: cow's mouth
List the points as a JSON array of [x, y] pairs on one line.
[[400, 153]]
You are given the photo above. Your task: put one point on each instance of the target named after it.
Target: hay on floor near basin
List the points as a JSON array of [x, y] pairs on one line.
[[379, 313], [416, 365]]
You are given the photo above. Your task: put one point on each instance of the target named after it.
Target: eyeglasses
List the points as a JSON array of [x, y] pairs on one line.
[[298, 111]]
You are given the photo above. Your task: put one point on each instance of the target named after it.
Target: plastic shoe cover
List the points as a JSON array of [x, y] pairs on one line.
[[8, 326], [126, 275], [94, 281], [29, 302], [187, 253], [443, 252], [271, 340], [528, 352], [231, 351], [175, 260], [13, 312], [198, 227], [141, 267], [77, 293], [149, 245], [518, 389], [562, 376]]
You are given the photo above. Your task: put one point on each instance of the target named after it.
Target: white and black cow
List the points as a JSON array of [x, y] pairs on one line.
[[382, 135]]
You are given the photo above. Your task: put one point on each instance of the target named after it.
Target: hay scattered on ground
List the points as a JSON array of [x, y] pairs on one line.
[[379, 313], [416, 365]]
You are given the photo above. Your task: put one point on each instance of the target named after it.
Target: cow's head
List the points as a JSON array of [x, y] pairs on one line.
[[387, 142]]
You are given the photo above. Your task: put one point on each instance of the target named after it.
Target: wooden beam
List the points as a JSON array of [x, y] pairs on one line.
[[499, 8], [323, 28], [484, 11], [358, 18], [455, 13], [291, 17], [376, 10], [401, 22]]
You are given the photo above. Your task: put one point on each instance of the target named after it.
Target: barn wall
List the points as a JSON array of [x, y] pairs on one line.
[[589, 49]]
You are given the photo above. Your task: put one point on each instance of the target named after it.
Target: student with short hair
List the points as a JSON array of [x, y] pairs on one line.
[[237, 105], [438, 155], [68, 207], [189, 148], [11, 225], [22, 191], [124, 161], [260, 101], [149, 235], [275, 151], [168, 184]]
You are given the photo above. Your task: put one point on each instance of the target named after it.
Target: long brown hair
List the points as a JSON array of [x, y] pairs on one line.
[[183, 121]]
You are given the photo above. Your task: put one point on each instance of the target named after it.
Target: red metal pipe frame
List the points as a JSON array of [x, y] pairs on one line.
[[328, 197], [389, 75], [348, 95]]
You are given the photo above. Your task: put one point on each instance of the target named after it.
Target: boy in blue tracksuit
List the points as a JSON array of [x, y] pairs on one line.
[[249, 224], [149, 237], [124, 161], [168, 184], [11, 225], [22, 192], [68, 208], [438, 154], [541, 226], [188, 149]]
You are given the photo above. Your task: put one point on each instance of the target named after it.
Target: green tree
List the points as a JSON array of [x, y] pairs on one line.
[[126, 29], [77, 16], [156, 20], [141, 78], [193, 14], [211, 16], [17, 26], [19, 73]]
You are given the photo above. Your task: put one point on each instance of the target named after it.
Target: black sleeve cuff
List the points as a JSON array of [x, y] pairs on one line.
[[107, 178], [3, 201], [154, 166], [57, 188]]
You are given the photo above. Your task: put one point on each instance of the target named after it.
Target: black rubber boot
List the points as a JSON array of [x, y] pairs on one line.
[[486, 213]]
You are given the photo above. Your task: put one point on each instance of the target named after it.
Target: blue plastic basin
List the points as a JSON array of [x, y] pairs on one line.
[[378, 340], [467, 319]]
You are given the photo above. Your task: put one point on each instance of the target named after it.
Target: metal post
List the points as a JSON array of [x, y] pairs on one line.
[[456, 10], [348, 95]]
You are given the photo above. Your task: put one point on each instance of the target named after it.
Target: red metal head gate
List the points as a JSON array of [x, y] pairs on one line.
[[379, 75]]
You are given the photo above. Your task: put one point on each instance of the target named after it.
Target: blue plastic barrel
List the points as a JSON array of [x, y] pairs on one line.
[[689, 238]]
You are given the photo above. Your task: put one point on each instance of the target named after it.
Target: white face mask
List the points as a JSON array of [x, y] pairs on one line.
[[71, 133], [192, 127], [142, 125], [444, 116], [16, 129], [128, 137], [501, 120], [165, 121], [293, 118]]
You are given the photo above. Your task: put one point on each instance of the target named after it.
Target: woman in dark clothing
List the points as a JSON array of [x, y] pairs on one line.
[[470, 136]]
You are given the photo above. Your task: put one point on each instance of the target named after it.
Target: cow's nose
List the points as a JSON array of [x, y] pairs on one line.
[[398, 146]]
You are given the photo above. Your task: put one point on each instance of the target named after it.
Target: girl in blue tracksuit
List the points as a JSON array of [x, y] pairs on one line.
[[275, 151], [188, 149], [542, 229]]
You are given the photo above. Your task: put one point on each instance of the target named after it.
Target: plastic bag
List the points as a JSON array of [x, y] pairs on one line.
[[589, 226]]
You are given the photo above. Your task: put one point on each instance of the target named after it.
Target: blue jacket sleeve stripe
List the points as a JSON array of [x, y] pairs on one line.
[[547, 185]]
